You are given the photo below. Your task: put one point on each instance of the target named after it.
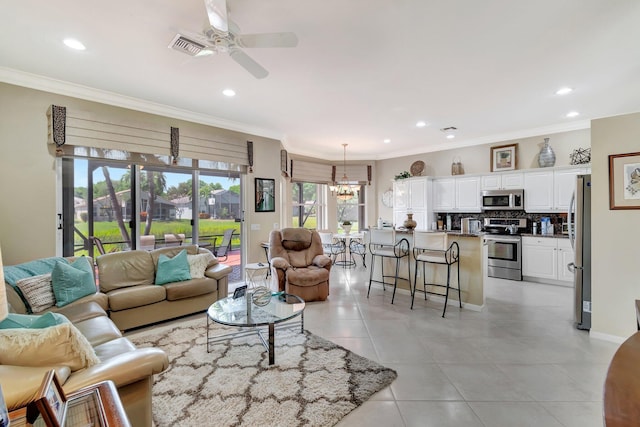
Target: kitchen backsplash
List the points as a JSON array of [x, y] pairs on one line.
[[556, 218]]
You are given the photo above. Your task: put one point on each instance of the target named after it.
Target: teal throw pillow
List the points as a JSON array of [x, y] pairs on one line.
[[26, 321], [174, 269], [71, 282]]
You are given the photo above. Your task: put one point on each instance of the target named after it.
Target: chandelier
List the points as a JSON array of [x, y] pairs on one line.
[[344, 189]]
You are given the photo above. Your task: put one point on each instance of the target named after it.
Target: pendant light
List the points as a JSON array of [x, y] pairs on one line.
[[345, 191]]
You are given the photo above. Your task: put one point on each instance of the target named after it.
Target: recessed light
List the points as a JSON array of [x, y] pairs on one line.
[[229, 92], [421, 124], [74, 44], [573, 114], [450, 132], [564, 91], [451, 136], [205, 52], [386, 141]]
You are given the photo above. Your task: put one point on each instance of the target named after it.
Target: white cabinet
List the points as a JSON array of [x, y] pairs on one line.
[[538, 191], [456, 194], [565, 257], [468, 194], [503, 181], [564, 187], [410, 196], [549, 190], [539, 257], [444, 194], [547, 258]]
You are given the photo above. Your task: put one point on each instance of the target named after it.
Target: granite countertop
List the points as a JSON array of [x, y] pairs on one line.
[[557, 236]]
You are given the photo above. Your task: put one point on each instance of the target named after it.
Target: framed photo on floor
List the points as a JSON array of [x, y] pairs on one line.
[[503, 158], [265, 195], [624, 181], [50, 402]]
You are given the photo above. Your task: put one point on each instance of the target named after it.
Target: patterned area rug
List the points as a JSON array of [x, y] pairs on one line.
[[313, 382]]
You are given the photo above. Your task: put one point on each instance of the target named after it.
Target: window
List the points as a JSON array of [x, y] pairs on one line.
[[107, 201], [352, 210], [308, 205]]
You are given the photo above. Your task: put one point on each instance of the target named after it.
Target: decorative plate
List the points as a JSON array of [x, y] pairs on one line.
[[417, 167]]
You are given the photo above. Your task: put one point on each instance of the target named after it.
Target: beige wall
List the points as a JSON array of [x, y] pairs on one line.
[[476, 159], [28, 193], [615, 233]]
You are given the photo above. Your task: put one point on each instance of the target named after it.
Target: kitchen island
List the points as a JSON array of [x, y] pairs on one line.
[[472, 271]]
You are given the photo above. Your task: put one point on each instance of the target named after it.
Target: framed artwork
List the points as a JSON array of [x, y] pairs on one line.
[[50, 402], [265, 195], [503, 158], [624, 181]]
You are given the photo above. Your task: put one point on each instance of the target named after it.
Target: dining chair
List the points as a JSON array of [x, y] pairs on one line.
[[358, 247], [383, 244], [332, 248], [433, 248]]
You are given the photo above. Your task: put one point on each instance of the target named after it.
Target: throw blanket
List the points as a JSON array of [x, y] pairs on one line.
[[13, 273]]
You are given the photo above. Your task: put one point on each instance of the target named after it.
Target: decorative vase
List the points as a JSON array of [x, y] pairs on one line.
[[546, 158], [409, 223], [346, 228]]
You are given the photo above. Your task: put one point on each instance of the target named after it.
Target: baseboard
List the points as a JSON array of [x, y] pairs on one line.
[[606, 337]]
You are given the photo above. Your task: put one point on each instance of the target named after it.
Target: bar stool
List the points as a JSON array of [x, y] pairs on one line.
[[431, 248], [382, 244]]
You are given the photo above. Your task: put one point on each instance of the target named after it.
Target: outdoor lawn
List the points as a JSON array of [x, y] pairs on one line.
[[109, 233]]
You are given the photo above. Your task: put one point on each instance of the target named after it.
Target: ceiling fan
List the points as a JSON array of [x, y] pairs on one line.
[[223, 36]]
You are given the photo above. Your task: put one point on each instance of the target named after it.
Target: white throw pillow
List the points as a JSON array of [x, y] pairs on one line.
[[198, 264], [38, 292]]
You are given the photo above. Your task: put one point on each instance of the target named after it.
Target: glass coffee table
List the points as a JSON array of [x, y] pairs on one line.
[[249, 318]]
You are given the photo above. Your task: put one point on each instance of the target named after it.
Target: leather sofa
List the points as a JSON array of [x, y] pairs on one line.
[[130, 368], [298, 263], [127, 279]]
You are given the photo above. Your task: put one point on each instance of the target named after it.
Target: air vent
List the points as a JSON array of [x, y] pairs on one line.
[[186, 45]]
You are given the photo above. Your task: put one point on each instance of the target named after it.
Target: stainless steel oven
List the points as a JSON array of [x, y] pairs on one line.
[[504, 256], [504, 247]]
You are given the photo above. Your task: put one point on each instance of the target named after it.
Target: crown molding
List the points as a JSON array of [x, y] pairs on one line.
[[60, 87]]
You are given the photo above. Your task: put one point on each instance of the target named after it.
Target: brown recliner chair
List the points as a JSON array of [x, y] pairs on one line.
[[299, 264]]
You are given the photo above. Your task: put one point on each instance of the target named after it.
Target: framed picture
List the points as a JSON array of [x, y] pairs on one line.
[[265, 195], [624, 181], [503, 158], [50, 402]]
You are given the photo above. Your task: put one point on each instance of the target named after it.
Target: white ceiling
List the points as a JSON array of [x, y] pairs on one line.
[[363, 71]]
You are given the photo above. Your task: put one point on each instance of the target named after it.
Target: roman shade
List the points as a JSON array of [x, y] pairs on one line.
[[119, 139]]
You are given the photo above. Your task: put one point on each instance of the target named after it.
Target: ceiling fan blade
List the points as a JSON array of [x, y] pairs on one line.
[[248, 64], [217, 12], [267, 40]]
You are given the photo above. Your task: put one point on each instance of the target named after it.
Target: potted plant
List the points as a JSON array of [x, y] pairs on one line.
[[402, 175], [346, 226]]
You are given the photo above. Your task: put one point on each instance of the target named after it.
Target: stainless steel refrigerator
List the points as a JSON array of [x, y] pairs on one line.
[[579, 218]]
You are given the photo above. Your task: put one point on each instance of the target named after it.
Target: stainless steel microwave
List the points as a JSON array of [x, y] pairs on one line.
[[503, 200]]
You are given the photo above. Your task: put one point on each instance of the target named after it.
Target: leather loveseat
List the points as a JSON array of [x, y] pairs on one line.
[[128, 280], [130, 368]]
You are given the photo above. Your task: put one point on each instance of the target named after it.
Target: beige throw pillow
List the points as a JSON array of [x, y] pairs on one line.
[[198, 264], [60, 345], [38, 292]]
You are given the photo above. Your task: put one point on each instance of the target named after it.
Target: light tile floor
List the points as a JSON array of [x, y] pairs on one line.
[[519, 362]]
